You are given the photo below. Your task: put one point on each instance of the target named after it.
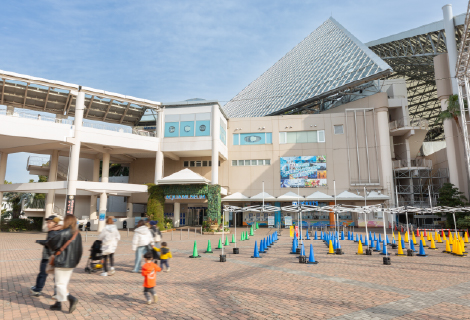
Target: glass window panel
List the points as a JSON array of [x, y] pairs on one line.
[[254, 162], [241, 162], [236, 139], [282, 137], [203, 128], [192, 163], [267, 162], [210, 163], [269, 138], [247, 162], [321, 136], [302, 137], [204, 163], [198, 163], [339, 129], [185, 164], [291, 137], [234, 162], [312, 136]]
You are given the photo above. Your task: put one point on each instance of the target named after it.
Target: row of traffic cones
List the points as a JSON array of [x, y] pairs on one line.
[[265, 244]]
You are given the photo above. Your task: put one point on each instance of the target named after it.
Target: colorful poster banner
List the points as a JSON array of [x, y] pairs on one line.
[[303, 172]]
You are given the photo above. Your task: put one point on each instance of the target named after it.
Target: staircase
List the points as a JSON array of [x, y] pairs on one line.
[[41, 166]]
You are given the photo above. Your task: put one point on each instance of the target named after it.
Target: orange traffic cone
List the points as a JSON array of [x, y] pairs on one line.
[[425, 233]]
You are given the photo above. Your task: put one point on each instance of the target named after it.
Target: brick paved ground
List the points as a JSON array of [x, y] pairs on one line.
[[273, 287]]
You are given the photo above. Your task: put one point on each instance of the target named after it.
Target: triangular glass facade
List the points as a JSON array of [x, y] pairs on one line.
[[328, 59]]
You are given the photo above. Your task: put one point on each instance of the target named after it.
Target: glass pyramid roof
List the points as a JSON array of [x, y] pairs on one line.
[[328, 60]]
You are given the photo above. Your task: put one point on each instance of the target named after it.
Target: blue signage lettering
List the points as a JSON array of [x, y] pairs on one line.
[[191, 196]]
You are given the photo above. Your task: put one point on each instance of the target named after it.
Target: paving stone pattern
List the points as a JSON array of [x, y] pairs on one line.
[[273, 287]]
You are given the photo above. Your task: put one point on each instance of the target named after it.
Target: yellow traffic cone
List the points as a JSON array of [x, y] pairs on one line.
[[406, 238], [422, 239], [393, 234], [429, 236], [450, 237], [458, 249], [414, 239], [447, 250], [359, 248], [466, 237], [433, 245], [439, 240], [400, 249], [330, 249], [445, 239], [462, 245], [399, 237]]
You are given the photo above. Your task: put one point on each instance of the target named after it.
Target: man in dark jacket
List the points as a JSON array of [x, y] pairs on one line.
[[53, 226]]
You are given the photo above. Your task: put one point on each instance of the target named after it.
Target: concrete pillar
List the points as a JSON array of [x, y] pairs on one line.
[[75, 154], [105, 168], [444, 90], [176, 214], [53, 167], [451, 44], [385, 154], [103, 209], [94, 198], [215, 132], [3, 169], [130, 213], [159, 156]]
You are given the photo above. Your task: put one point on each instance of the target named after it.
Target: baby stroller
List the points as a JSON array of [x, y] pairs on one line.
[[94, 262]]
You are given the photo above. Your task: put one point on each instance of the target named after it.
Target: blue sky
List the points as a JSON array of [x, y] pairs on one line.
[[176, 50]]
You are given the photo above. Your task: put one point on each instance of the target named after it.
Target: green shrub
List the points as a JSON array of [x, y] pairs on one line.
[[14, 225]]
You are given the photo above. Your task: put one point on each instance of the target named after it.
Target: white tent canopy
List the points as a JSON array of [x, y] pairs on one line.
[[346, 195], [319, 196], [185, 176], [262, 195], [290, 196], [237, 196]]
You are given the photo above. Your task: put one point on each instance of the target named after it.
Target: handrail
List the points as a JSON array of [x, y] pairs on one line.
[[406, 122], [422, 163]]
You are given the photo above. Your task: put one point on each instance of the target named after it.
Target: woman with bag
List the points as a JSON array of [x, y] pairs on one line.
[[109, 237], [67, 250], [140, 243]]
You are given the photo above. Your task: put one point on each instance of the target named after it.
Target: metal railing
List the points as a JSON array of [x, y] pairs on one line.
[[99, 126], [407, 122], [44, 162], [421, 163]]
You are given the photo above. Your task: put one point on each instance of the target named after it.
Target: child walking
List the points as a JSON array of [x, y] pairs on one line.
[[149, 271], [165, 255]]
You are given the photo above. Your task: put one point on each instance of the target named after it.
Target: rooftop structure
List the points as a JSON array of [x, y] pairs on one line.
[[330, 60]]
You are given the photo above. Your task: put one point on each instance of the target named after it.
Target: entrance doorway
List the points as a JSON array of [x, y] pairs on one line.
[[236, 217], [196, 216]]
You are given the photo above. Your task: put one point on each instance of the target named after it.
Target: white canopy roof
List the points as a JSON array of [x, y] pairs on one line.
[[262, 195], [290, 196], [237, 196], [374, 195], [346, 195], [319, 196], [185, 176]]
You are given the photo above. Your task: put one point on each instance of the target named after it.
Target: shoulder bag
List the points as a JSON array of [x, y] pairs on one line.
[[50, 266]]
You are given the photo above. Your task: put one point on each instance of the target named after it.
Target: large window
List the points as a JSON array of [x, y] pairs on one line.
[[223, 133], [198, 163], [187, 125], [244, 139], [302, 137]]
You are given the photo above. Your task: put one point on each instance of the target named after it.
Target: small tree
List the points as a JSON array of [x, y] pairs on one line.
[[450, 196], [453, 110]]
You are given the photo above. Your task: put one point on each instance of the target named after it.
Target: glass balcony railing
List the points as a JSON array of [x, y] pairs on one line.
[[99, 126], [408, 122]]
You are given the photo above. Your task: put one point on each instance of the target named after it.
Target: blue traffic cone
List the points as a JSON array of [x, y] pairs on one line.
[[338, 244], [302, 249], [294, 247], [361, 239], [349, 235], [315, 236], [335, 244], [367, 242], [377, 245], [311, 257], [421, 249], [263, 244], [412, 246], [342, 235], [380, 238], [403, 244], [384, 251], [256, 252], [393, 241], [308, 236], [375, 237], [388, 240], [370, 235], [266, 247], [357, 239]]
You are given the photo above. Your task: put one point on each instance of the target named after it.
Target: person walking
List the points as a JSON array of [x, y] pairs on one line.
[[140, 243], [165, 255], [109, 237], [156, 233], [149, 271], [54, 224], [66, 246]]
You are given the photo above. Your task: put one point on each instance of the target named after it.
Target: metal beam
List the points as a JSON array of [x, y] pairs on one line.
[[89, 106], [107, 110], [47, 98], [67, 102], [25, 94], [125, 112], [3, 90]]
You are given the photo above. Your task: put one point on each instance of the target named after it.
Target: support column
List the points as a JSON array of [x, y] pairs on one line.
[[159, 156], [103, 196], [53, 167], [385, 153], [103, 208], [176, 214], [444, 90], [451, 44], [3, 169], [75, 154], [94, 198], [130, 213], [215, 132]]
